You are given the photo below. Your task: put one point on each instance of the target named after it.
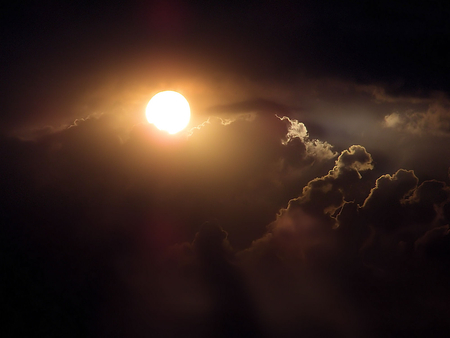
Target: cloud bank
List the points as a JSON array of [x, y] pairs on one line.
[[252, 232]]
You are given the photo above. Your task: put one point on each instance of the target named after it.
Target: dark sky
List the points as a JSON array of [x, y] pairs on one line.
[[308, 197]]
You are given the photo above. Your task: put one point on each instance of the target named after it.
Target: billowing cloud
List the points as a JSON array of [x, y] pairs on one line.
[[317, 149], [386, 235], [309, 219], [138, 206], [384, 202], [327, 193], [309, 196]]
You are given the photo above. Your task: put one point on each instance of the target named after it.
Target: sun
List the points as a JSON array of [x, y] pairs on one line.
[[168, 111]]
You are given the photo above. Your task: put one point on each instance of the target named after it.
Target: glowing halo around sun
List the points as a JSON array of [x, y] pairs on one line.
[[168, 111]]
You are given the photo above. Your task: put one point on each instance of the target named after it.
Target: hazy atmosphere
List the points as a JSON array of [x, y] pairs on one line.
[[307, 197]]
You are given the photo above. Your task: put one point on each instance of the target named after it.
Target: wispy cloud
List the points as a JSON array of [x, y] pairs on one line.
[[225, 121], [435, 121]]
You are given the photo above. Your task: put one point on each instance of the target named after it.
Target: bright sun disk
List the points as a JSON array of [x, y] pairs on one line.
[[168, 111]]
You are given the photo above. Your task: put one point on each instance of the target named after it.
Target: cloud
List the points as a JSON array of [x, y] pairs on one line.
[[244, 110], [225, 121], [212, 241], [309, 218], [383, 205], [341, 208], [434, 248], [320, 150], [327, 193], [395, 93], [232, 310], [388, 234], [243, 164], [395, 214], [360, 244], [134, 210], [435, 121], [428, 203]]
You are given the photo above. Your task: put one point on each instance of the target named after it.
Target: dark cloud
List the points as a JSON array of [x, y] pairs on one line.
[[124, 215], [309, 196], [384, 200], [377, 241], [327, 193]]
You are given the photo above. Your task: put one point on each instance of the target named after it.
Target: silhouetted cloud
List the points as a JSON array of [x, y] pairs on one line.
[[85, 193], [309, 196]]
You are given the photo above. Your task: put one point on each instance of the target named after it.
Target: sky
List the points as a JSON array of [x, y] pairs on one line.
[[308, 197]]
